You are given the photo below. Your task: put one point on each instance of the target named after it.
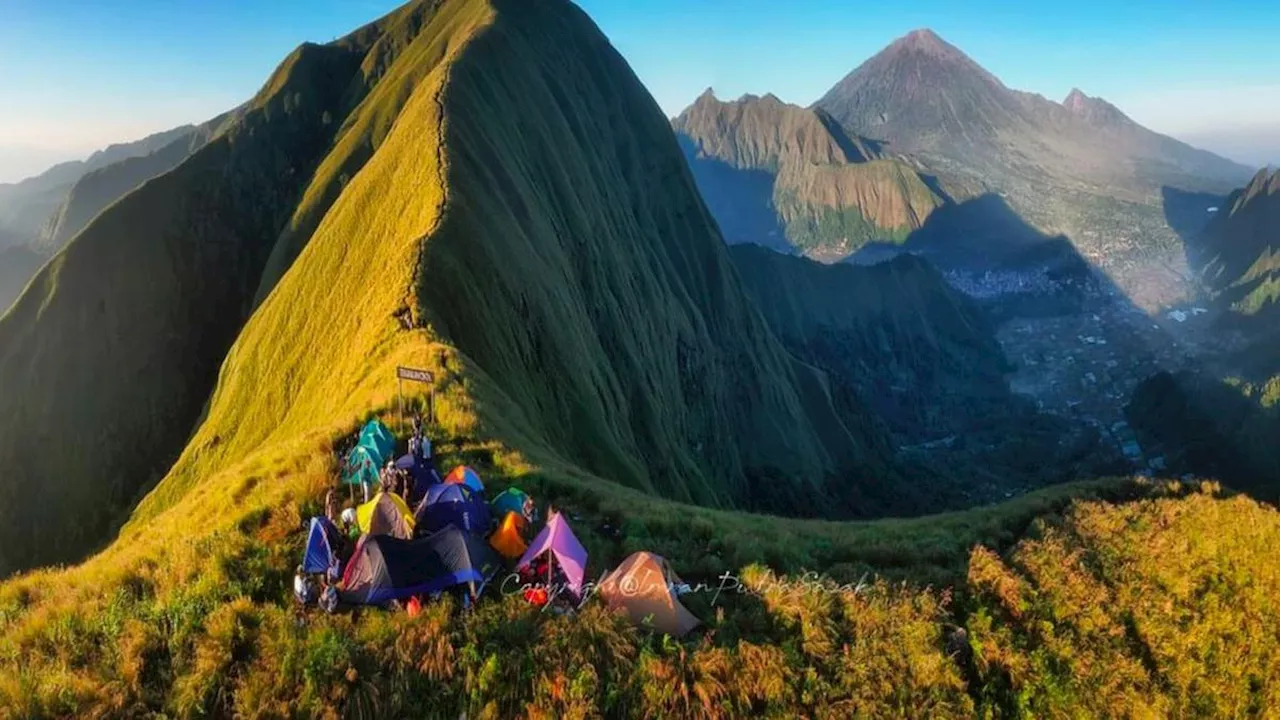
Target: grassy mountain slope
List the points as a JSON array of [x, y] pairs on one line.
[[1079, 168], [17, 265], [124, 330], [786, 177], [634, 359], [27, 206], [1238, 250]]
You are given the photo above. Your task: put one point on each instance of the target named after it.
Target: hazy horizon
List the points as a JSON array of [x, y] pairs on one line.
[[118, 74]]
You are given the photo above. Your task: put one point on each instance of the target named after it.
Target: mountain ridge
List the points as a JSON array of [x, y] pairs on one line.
[[792, 179]]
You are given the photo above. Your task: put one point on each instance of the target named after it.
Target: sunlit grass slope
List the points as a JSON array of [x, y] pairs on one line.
[[119, 339]]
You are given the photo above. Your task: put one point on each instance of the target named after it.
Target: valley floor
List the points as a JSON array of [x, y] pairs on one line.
[[1082, 361]]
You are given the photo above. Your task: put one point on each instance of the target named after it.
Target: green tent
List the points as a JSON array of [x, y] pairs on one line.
[[377, 437], [511, 500], [363, 464]]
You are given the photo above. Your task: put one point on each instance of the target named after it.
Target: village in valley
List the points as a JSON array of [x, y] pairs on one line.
[[1079, 348]]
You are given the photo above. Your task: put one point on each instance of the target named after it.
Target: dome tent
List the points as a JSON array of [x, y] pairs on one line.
[[386, 514], [385, 568], [644, 587]]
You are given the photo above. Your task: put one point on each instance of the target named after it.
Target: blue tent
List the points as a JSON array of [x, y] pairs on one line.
[[377, 437], [421, 470], [323, 541], [384, 568], [449, 504], [363, 464]]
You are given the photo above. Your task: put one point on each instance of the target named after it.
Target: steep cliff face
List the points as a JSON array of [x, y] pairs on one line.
[[1238, 249], [789, 178]]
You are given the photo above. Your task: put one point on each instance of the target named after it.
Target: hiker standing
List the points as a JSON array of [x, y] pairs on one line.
[[303, 589], [331, 506], [328, 596]]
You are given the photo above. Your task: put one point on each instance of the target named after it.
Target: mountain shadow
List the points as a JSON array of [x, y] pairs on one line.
[[989, 250], [740, 199], [897, 338], [1209, 427], [1079, 346], [1189, 213]]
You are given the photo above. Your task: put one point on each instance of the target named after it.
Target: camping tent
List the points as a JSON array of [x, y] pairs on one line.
[[422, 470], [565, 550], [508, 539], [643, 586], [386, 514], [511, 500], [463, 475], [377, 437], [363, 464], [384, 568], [452, 505], [323, 544]]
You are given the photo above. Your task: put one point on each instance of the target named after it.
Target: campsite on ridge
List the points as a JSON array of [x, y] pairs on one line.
[[447, 375]]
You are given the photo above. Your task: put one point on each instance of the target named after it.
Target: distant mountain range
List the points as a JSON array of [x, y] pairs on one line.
[[26, 206], [39, 215], [1079, 168]]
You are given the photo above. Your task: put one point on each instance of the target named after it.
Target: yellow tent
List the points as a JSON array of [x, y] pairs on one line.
[[643, 586], [386, 514], [508, 539]]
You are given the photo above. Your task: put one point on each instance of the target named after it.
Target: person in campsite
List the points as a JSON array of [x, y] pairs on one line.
[[408, 485], [328, 595], [349, 523], [331, 506], [303, 589]]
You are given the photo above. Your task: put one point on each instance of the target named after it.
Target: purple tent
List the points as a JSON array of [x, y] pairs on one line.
[[565, 549]]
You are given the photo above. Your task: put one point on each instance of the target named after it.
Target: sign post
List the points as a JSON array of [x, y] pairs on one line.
[[420, 376]]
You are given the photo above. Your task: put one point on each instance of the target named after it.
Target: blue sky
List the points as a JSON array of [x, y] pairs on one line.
[[80, 74]]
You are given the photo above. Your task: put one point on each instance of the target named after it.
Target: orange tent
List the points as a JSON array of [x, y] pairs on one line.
[[508, 539], [644, 587]]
